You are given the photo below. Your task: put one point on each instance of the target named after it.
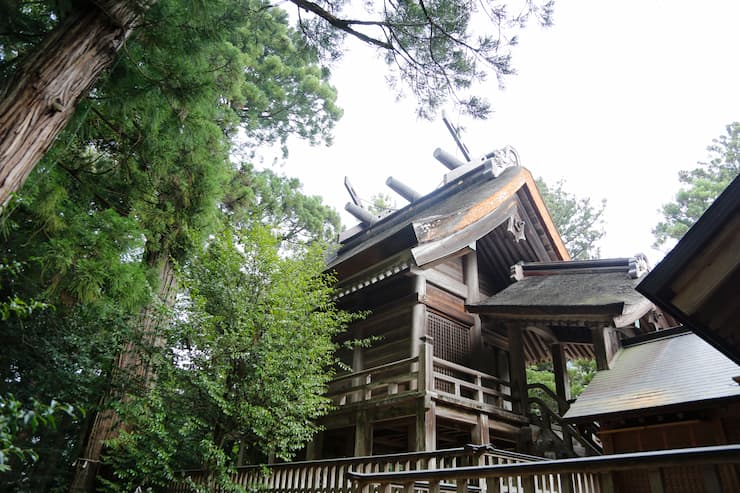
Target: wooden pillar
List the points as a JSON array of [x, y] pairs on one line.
[[363, 435], [426, 425], [518, 371], [357, 365], [562, 386], [356, 358], [560, 368], [418, 314], [606, 344], [426, 365], [481, 433], [503, 371], [470, 274], [426, 413]]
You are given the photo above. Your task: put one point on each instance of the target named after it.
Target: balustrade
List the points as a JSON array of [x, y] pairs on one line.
[[330, 475], [418, 375], [581, 475]]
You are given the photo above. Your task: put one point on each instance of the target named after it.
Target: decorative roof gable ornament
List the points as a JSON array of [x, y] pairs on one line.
[[495, 163]]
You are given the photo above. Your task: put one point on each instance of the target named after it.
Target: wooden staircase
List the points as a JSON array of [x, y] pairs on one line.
[[552, 436]]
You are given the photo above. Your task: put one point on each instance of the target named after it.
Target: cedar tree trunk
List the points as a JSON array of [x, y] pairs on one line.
[[129, 364], [40, 98]]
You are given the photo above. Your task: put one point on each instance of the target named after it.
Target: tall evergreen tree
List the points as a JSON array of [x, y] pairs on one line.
[[579, 222], [188, 86], [701, 186]]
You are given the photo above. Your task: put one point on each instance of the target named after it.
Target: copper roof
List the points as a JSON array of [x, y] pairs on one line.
[[658, 374]]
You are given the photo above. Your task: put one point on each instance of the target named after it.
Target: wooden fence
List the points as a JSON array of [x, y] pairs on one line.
[[336, 475], [582, 475]]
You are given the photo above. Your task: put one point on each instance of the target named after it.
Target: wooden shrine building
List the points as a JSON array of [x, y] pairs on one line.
[[444, 365], [467, 286]]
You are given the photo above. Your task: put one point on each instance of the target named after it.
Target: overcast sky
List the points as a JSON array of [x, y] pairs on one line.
[[615, 98]]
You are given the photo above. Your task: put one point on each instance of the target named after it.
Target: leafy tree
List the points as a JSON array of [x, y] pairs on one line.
[[244, 368], [381, 204], [167, 115], [264, 197], [133, 184], [701, 186], [430, 44], [82, 259], [580, 374], [579, 223], [15, 419]]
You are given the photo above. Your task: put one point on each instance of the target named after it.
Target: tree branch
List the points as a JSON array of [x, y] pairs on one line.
[[343, 24]]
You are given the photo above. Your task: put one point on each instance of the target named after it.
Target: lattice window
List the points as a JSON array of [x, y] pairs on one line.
[[451, 338]]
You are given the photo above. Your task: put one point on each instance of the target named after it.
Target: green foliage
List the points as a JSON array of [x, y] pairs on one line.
[[432, 47], [23, 24], [245, 366], [701, 186], [580, 374], [16, 419], [382, 204], [136, 178], [11, 304], [72, 251], [579, 223], [255, 197]]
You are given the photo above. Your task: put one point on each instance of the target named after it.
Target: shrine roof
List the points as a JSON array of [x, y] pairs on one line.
[[666, 372], [450, 218]]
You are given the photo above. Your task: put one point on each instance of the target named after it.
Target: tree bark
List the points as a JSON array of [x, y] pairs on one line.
[[40, 99], [129, 364]]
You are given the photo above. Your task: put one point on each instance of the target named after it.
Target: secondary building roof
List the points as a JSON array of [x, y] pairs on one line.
[[562, 301], [666, 372], [593, 290]]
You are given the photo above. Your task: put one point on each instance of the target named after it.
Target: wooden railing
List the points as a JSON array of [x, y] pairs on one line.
[[331, 475], [467, 384], [546, 416], [582, 475], [417, 376], [541, 414], [397, 379]]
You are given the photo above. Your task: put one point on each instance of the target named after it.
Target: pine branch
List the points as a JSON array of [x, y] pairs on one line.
[[343, 24]]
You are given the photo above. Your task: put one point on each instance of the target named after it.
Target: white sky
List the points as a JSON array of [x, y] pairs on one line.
[[615, 98]]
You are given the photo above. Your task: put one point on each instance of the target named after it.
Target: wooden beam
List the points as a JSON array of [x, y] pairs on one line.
[[363, 435], [518, 371], [560, 368], [442, 280]]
